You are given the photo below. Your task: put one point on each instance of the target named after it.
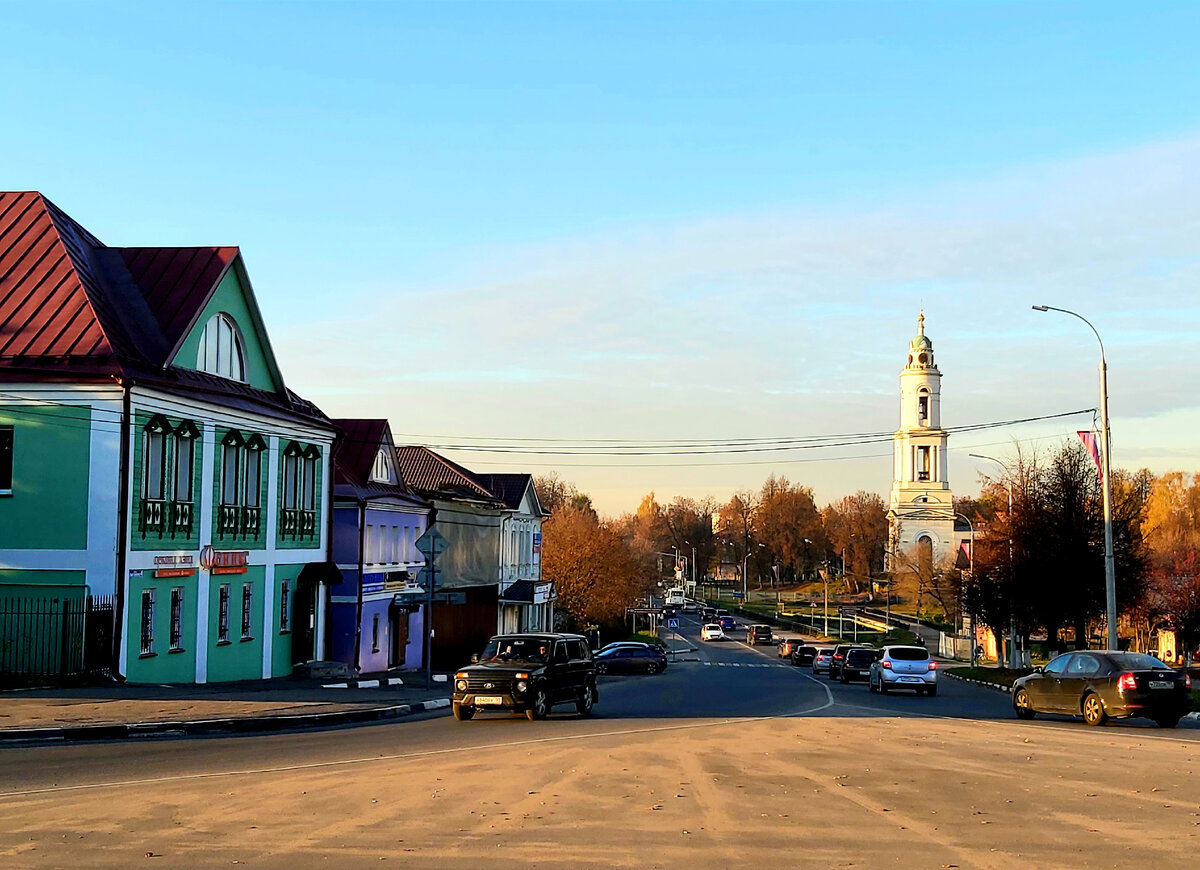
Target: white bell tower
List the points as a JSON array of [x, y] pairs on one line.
[[922, 504]]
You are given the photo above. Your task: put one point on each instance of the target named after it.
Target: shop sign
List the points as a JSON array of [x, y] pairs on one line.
[[542, 593], [224, 561], [174, 572], [174, 559]]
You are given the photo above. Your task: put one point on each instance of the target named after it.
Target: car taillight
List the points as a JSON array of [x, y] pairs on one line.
[[933, 666], [886, 663], [838, 656], [1187, 681], [1127, 683]]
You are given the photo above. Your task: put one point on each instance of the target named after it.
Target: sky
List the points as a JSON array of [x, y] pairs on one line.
[[633, 222]]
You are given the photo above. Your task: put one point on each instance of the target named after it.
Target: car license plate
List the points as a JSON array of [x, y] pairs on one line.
[[489, 699], [910, 680], [1161, 684]]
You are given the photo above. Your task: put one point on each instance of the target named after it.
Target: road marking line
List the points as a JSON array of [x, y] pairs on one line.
[[406, 756]]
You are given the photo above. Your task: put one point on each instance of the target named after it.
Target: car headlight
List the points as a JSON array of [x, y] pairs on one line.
[[521, 685], [460, 685]]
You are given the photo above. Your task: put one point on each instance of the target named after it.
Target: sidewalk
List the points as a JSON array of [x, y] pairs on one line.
[[122, 711]]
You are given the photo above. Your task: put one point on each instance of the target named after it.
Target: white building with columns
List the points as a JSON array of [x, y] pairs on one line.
[[922, 503]]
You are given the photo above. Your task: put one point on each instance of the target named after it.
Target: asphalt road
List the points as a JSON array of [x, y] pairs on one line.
[[734, 759]]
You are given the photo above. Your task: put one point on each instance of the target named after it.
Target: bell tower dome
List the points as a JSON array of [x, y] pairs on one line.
[[922, 503]]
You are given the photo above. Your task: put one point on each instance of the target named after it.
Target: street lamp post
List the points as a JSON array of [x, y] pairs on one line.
[[971, 572], [1110, 571], [745, 568], [1012, 622]]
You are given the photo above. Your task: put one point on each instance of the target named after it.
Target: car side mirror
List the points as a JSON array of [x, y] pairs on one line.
[[1038, 670], [474, 658]]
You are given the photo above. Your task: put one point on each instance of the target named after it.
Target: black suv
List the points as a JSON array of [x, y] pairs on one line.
[[839, 658], [759, 634], [527, 672]]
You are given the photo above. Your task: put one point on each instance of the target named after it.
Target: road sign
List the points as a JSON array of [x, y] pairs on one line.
[[431, 544], [737, 595], [672, 624]]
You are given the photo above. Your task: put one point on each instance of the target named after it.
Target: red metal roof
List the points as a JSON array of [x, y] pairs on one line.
[[355, 453], [172, 280], [428, 473], [47, 285]]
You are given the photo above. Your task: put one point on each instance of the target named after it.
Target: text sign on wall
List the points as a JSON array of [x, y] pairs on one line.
[[174, 572], [224, 561], [174, 559]]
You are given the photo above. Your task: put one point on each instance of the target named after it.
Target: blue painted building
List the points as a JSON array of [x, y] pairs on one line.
[[376, 619]]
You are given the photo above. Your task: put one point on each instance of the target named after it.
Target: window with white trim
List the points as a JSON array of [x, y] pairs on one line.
[[221, 351], [382, 471]]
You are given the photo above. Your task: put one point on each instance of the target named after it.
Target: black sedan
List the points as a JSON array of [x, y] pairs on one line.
[[803, 655], [646, 659], [1105, 684]]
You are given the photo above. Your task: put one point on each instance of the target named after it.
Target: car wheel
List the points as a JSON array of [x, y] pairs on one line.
[[601, 668], [872, 687], [652, 668], [1093, 710], [584, 705], [1167, 721], [931, 691], [883, 690], [1022, 706], [540, 706], [842, 678], [462, 712]]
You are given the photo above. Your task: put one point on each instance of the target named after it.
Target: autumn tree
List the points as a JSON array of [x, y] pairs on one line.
[[593, 569], [857, 526], [736, 528], [1172, 519], [790, 526]]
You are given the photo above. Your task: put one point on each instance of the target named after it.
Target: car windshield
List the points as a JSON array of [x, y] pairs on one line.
[[908, 654], [1137, 661], [516, 649]]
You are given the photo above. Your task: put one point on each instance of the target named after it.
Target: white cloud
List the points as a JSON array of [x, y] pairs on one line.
[[796, 320]]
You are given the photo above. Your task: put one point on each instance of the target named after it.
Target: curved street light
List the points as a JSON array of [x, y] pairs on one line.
[[1110, 571]]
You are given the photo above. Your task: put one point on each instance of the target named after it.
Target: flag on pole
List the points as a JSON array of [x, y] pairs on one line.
[[1092, 447], [965, 546]]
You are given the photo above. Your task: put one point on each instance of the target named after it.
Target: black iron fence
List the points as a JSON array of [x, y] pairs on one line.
[[55, 635]]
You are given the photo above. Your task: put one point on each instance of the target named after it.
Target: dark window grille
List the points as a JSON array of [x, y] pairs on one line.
[[247, 601], [6, 458], [284, 606], [147, 622], [223, 614], [177, 618]]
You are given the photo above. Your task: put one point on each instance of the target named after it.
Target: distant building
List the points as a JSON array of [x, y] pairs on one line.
[[489, 575], [150, 452], [921, 514], [376, 613]]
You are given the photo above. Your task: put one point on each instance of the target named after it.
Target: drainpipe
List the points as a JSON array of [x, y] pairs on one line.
[[122, 526]]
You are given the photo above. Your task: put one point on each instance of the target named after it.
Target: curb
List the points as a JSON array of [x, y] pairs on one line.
[[213, 727], [364, 684], [1000, 687]]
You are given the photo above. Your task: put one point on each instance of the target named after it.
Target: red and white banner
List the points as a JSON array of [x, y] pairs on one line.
[[1093, 448]]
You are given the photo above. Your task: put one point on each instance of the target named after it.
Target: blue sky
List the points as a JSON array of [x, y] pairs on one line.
[[645, 220]]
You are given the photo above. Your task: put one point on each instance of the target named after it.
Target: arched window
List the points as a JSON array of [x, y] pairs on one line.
[[382, 471], [221, 352], [923, 406]]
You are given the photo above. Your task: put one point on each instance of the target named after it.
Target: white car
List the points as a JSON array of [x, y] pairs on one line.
[[712, 631], [903, 667]]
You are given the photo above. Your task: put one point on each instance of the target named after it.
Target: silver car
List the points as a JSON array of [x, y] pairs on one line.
[[822, 660], [903, 667]]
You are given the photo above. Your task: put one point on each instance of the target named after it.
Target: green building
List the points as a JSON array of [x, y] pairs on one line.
[[150, 451]]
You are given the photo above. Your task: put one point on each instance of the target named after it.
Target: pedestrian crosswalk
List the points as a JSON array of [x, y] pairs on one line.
[[746, 665]]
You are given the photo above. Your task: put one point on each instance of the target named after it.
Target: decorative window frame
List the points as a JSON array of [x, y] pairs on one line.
[[248, 611], [176, 642], [224, 594], [148, 616], [231, 358]]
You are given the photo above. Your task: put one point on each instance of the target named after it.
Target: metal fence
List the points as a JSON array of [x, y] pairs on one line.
[[55, 635]]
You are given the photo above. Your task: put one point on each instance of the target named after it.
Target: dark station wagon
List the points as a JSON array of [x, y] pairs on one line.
[[529, 673]]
